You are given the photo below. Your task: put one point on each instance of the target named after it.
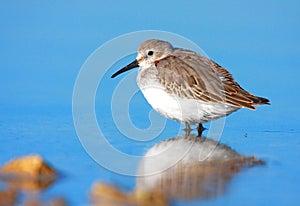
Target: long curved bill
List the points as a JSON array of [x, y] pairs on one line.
[[130, 66]]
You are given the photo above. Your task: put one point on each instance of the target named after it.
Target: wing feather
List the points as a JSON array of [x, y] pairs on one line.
[[190, 75]]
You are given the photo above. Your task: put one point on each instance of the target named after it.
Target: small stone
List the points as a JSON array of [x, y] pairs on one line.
[[31, 165], [59, 201], [28, 174], [104, 194], [33, 201], [8, 198], [149, 198]]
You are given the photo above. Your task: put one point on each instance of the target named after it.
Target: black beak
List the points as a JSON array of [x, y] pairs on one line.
[[127, 68]]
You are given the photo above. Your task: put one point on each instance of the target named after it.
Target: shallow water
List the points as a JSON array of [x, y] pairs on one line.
[[52, 135]]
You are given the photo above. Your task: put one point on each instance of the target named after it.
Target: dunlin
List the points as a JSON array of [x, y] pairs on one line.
[[187, 87]]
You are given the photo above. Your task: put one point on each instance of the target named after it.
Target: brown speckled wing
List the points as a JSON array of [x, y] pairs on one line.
[[189, 75]]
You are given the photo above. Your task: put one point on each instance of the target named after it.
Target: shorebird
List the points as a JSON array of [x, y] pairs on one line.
[[187, 87]]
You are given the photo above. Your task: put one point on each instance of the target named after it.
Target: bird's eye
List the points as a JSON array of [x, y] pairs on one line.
[[150, 53]]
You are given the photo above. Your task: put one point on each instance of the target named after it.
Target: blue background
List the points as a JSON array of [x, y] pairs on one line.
[[44, 43]]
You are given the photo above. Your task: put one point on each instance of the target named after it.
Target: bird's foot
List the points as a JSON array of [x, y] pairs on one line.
[[200, 130], [187, 130]]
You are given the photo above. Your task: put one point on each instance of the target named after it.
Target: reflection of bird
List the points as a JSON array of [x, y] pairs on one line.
[[187, 87], [187, 167]]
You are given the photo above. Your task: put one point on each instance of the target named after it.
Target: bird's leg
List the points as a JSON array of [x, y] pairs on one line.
[[200, 130], [187, 129]]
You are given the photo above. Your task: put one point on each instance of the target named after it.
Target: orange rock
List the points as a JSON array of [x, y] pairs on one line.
[[58, 201], [31, 165], [8, 198], [104, 194], [29, 174], [149, 198]]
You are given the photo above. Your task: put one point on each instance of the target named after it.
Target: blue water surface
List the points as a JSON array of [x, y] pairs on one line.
[[44, 44]]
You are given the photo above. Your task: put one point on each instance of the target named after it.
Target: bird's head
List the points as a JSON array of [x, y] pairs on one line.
[[149, 52]]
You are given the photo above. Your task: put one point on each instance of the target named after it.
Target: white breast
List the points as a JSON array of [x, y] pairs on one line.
[[183, 110]]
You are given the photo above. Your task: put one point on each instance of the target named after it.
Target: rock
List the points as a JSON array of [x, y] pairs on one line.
[[28, 173], [58, 201], [104, 194], [8, 198], [149, 198], [30, 166]]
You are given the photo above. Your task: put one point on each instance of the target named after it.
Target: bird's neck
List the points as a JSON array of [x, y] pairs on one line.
[[147, 76]]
